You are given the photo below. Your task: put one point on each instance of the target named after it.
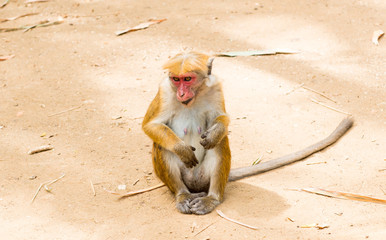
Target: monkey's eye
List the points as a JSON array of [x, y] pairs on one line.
[[187, 79], [176, 79]]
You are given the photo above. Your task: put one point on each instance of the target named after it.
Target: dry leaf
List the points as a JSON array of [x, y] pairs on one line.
[[256, 53], [27, 28], [315, 225], [139, 27], [376, 36], [32, 177], [343, 195], [3, 58], [322, 226], [4, 3], [309, 225], [44, 24], [14, 18]]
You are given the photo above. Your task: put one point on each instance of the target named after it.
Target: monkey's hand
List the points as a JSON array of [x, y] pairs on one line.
[[186, 154], [212, 136]]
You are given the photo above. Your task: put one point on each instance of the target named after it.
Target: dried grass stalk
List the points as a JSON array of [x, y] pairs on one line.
[[46, 186], [234, 221], [336, 194], [129, 194]]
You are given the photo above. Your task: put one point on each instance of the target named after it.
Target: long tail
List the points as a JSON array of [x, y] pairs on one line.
[[244, 172]]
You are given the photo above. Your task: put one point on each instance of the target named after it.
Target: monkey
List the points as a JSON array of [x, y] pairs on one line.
[[188, 124]]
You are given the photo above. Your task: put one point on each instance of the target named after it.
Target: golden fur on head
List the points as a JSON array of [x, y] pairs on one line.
[[187, 62]]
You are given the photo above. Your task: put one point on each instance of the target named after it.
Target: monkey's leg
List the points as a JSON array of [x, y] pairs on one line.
[[217, 163], [167, 167]]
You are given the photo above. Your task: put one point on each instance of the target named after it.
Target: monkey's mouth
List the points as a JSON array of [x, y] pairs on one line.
[[187, 101]]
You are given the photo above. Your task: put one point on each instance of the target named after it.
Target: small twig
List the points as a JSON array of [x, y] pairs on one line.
[[35, 1], [376, 36], [297, 87], [321, 94], [204, 228], [293, 189], [112, 192], [64, 111], [332, 108], [3, 58], [315, 163], [258, 160], [136, 182], [92, 188], [45, 184], [4, 3], [234, 221], [40, 149], [290, 219], [129, 194]]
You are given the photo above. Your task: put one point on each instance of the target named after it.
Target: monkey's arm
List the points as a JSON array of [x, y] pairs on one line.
[[164, 136], [157, 131], [216, 132], [244, 172]]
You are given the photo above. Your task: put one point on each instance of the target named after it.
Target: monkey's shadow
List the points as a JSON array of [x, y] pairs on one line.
[[249, 200]]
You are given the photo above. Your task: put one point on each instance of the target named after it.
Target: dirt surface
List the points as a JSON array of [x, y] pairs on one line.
[[84, 90]]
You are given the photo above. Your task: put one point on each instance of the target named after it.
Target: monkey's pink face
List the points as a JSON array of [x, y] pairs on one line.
[[185, 84]]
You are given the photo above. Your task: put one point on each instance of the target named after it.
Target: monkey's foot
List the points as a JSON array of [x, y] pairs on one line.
[[184, 200], [203, 205]]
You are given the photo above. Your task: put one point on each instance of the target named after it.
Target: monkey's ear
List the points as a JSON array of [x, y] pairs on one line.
[[210, 80], [209, 65]]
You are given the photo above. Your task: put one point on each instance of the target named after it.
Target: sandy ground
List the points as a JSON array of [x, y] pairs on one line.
[[84, 90]]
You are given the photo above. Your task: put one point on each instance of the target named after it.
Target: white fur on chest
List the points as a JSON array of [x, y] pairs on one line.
[[189, 124]]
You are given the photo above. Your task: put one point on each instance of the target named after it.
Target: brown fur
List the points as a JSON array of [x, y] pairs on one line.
[[187, 62]]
